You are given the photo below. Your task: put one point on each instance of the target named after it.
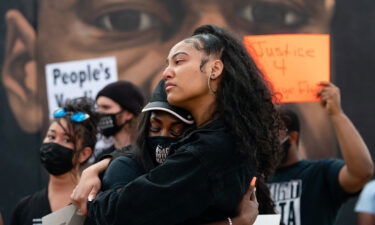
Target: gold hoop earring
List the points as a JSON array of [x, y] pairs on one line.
[[209, 85]]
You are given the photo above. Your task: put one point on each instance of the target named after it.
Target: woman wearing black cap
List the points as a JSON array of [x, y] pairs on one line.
[[211, 75], [161, 125]]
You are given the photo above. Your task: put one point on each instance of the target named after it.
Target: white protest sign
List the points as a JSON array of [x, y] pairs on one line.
[[67, 80], [271, 219], [69, 215]]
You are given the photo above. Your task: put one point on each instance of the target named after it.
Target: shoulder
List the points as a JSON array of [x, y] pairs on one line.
[[29, 203], [121, 171], [124, 161], [214, 137], [324, 164], [37, 196], [331, 166], [213, 146]]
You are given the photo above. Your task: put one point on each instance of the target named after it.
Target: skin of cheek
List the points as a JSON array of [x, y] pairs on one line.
[[190, 85]]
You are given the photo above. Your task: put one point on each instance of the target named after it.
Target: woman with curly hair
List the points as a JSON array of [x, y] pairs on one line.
[[211, 75], [66, 147]]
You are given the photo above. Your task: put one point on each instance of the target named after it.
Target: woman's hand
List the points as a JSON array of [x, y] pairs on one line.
[[88, 185], [248, 207]]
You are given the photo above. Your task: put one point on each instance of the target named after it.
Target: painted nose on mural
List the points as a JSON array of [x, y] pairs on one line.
[[210, 13]]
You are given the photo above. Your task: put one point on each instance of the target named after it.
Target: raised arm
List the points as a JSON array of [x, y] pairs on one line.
[[359, 166]]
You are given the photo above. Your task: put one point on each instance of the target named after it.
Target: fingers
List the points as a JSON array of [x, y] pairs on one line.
[[330, 98], [253, 181], [253, 197], [325, 84], [328, 92], [79, 198], [93, 194], [83, 209], [251, 189], [80, 194]]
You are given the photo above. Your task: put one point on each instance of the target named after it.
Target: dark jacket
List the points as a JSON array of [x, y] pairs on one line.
[[202, 181]]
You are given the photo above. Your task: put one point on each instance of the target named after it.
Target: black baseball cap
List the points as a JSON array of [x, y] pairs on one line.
[[159, 102]]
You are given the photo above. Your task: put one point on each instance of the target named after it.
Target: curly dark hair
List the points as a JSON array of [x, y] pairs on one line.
[[244, 102], [83, 133]]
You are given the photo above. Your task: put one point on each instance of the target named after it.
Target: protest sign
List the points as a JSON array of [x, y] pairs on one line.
[[293, 63], [67, 80]]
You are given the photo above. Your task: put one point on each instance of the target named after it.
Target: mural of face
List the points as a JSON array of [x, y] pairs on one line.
[[139, 33]]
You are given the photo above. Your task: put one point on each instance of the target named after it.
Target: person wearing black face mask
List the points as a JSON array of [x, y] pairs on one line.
[[65, 149], [119, 104], [161, 126]]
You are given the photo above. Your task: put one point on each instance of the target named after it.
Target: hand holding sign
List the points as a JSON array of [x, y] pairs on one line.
[[293, 63], [330, 98]]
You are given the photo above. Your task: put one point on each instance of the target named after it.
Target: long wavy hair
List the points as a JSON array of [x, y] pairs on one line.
[[244, 103]]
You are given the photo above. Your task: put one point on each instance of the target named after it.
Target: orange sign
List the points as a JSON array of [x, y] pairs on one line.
[[293, 63]]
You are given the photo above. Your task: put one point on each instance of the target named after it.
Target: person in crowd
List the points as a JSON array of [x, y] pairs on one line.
[[161, 125], [365, 207], [211, 75], [311, 192], [120, 104], [138, 36], [68, 144]]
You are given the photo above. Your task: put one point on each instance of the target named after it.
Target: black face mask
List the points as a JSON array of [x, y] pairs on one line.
[[159, 147], [56, 158], [108, 124]]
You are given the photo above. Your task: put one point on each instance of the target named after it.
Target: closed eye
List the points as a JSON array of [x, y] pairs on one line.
[[154, 129]]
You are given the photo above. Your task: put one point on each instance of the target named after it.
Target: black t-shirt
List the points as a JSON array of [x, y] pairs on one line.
[[31, 209], [308, 192]]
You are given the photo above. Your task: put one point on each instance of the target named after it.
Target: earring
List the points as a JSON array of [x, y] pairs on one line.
[[209, 85]]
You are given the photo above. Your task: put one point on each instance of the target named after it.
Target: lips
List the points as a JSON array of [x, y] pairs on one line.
[[169, 85]]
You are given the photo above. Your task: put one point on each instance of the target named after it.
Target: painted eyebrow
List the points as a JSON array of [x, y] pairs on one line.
[[176, 54]]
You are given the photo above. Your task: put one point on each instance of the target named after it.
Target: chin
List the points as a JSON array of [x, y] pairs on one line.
[[174, 100]]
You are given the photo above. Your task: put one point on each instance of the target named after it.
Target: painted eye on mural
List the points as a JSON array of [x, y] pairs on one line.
[[274, 14], [127, 20]]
